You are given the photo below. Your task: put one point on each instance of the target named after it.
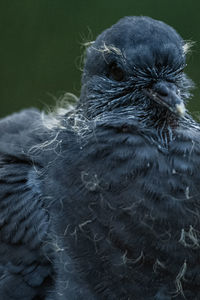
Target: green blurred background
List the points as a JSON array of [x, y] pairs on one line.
[[41, 43]]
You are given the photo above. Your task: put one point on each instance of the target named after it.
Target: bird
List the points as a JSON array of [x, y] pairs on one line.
[[100, 199]]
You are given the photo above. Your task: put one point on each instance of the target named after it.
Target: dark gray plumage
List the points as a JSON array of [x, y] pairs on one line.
[[102, 201]]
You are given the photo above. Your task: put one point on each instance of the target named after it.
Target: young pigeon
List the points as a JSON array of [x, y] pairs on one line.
[[102, 200]]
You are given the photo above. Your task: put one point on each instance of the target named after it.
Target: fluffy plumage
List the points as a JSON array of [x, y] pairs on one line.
[[104, 202]]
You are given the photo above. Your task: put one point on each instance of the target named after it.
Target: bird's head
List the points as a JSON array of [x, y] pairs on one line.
[[137, 64]]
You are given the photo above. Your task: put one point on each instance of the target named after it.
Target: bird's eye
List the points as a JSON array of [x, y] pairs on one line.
[[116, 72]]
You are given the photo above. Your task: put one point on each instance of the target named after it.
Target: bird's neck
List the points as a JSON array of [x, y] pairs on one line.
[[162, 124]]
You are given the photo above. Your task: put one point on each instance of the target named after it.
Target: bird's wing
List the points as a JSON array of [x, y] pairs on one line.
[[25, 269]]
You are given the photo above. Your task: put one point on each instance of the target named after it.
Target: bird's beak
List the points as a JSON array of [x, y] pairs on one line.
[[166, 94]]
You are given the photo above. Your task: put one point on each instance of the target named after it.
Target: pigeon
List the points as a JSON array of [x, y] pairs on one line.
[[100, 198]]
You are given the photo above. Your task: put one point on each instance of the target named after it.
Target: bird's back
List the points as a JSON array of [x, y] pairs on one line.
[[25, 269]]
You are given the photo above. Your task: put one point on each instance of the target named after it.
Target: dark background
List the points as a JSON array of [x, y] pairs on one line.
[[41, 43]]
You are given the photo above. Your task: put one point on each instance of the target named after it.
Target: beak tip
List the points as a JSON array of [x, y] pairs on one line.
[[180, 108]]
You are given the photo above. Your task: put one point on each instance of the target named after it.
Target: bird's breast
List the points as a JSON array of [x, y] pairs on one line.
[[132, 207], [128, 168]]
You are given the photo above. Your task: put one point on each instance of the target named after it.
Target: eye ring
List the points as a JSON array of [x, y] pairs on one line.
[[116, 72]]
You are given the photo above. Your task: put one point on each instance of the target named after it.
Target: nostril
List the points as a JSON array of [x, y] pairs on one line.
[[161, 89], [163, 92]]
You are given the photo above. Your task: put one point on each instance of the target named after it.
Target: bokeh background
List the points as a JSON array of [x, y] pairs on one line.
[[41, 44]]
